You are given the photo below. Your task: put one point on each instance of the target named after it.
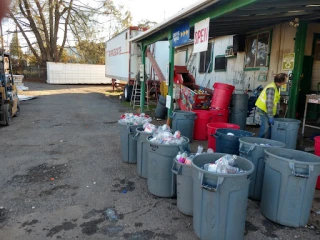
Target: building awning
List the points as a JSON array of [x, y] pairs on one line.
[[229, 17]]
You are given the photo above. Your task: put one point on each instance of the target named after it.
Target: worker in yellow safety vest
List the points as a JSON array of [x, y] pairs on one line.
[[267, 104]]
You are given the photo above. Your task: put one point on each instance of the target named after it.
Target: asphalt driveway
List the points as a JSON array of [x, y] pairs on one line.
[[61, 169]]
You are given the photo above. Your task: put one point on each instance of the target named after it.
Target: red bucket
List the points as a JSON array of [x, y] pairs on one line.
[[219, 115], [317, 152], [212, 128], [221, 95], [200, 124]]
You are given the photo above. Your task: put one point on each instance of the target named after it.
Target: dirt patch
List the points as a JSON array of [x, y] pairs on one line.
[[40, 173]]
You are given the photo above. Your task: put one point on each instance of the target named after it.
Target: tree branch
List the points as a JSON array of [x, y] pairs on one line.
[[65, 29], [44, 24], [25, 37]]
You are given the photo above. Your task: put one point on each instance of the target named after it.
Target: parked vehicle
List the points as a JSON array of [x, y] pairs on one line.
[[123, 59], [9, 101]]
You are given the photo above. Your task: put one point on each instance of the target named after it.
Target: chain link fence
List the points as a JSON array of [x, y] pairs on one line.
[[34, 73]]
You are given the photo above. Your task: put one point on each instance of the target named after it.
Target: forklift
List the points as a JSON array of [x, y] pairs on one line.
[[9, 101]]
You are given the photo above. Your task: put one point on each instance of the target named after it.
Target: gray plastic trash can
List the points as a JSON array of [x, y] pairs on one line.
[[128, 144], [288, 187], [219, 200], [184, 186], [142, 151], [161, 181], [252, 148], [285, 130], [184, 122], [161, 109], [239, 110], [227, 143]]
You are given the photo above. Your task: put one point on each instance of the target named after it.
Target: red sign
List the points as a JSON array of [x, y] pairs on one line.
[[114, 52]]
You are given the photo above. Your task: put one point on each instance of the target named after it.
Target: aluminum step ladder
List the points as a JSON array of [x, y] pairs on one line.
[[136, 93], [190, 61]]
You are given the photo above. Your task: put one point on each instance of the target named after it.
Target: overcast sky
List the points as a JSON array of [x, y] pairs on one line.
[[154, 10]]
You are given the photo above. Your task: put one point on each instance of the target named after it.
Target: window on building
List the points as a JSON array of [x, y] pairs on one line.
[[220, 63], [206, 60], [317, 51], [257, 50]]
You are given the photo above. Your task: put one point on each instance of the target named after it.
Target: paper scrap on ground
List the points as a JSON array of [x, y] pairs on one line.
[[25, 98], [22, 87]]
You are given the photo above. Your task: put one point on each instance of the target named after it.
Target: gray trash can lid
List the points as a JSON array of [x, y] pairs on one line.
[[257, 141], [293, 156], [200, 160]]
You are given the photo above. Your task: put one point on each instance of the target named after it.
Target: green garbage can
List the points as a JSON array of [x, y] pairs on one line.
[[289, 184], [220, 200], [128, 144], [161, 181], [252, 148]]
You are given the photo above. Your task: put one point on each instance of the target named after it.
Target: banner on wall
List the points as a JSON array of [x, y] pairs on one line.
[[201, 35], [181, 35]]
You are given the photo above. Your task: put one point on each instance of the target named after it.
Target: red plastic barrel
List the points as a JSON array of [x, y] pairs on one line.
[[221, 95], [219, 115], [212, 128], [317, 152], [200, 124]]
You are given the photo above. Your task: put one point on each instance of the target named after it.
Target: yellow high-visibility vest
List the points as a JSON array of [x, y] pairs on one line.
[[261, 102]]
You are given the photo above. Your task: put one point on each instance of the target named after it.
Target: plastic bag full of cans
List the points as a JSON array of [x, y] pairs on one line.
[[225, 164], [186, 158], [163, 135], [149, 128], [134, 119]]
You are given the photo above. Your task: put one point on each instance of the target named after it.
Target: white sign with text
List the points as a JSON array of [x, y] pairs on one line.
[[201, 35]]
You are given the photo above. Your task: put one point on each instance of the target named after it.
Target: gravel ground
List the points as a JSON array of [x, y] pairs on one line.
[[61, 169]]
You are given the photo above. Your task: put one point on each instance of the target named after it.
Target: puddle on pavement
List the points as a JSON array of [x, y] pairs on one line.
[[55, 189], [147, 234], [3, 215], [110, 122], [91, 227], [271, 228], [123, 186], [111, 230], [34, 221], [40, 173], [65, 226], [250, 228]]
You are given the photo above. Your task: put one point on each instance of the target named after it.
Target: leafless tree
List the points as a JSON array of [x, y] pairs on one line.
[[46, 25]]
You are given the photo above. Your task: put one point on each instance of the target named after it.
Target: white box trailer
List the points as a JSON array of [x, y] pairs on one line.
[[123, 58], [74, 73]]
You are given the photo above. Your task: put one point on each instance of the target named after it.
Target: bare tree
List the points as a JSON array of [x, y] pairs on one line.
[[47, 25]]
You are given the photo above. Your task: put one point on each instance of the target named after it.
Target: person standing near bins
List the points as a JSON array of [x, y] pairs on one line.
[[267, 104]]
